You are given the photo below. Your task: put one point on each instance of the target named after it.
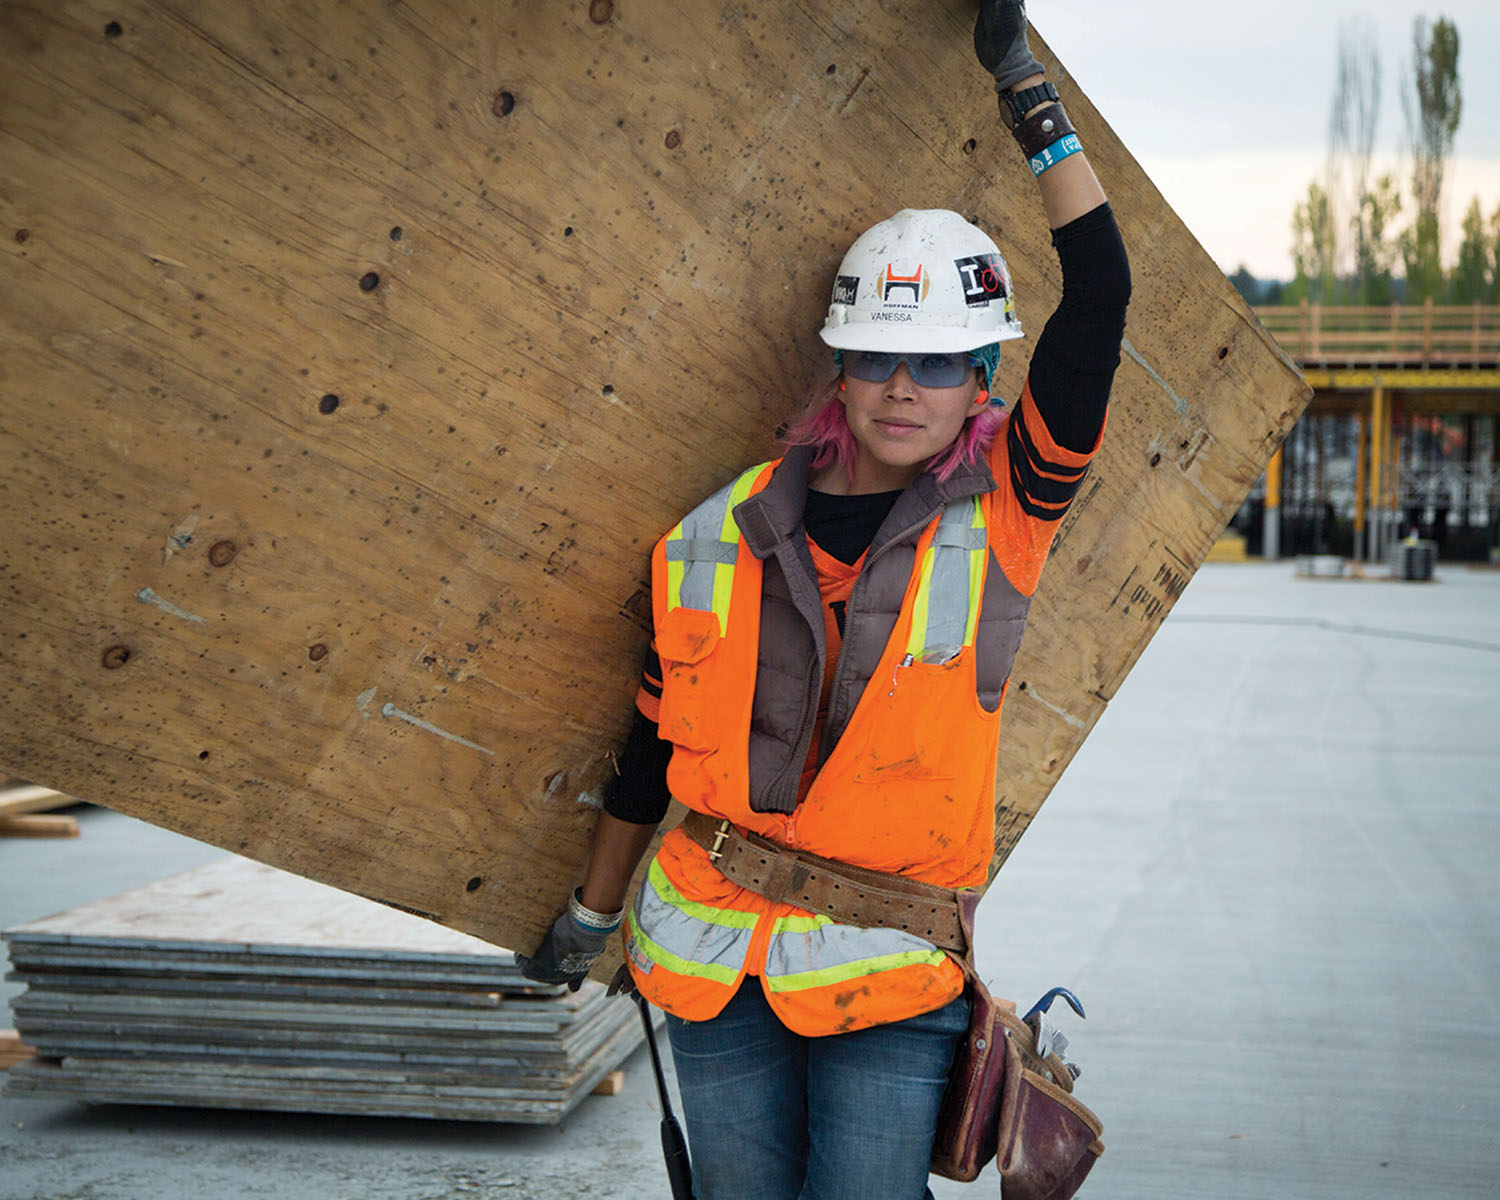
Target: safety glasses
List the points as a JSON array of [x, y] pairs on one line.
[[927, 370]]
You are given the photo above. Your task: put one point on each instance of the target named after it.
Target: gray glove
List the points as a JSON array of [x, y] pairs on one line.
[[1000, 42], [575, 941]]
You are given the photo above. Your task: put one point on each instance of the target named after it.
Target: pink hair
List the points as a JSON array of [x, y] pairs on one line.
[[824, 428]]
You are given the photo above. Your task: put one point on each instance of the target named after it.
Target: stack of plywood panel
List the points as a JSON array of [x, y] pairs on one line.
[[240, 986]]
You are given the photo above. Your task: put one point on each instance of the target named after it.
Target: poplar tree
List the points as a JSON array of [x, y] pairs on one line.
[[1376, 248], [1433, 108], [1474, 275], [1356, 211], [1313, 249]]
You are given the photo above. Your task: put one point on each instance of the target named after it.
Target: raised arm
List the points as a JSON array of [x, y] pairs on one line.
[[1029, 105], [1073, 364]]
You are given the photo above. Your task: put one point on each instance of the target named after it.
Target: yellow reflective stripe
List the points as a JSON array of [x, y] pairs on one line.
[[682, 966], [731, 918], [976, 576], [916, 642], [675, 572], [827, 976], [799, 924], [730, 533], [917, 639]]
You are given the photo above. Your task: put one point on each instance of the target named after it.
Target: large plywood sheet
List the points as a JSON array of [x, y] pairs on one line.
[[353, 356]]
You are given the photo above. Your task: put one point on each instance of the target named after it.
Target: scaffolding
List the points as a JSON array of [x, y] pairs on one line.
[[1401, 436]]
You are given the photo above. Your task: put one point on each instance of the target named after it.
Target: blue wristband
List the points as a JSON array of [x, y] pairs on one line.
[[1063, 148]]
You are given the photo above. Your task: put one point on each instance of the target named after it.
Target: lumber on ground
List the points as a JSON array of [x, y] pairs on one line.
[[356, 355], [241, 986], [13, 1050], [30, 798], [35, 826]]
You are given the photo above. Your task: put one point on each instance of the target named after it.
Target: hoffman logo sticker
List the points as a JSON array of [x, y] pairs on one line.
[[845, 289], [983, 279], [913, 288]]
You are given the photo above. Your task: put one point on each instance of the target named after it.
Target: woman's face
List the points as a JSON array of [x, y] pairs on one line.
[[898, 425]]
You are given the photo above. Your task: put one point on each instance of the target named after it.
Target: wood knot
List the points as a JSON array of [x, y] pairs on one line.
[[221, 554], [115, 657]]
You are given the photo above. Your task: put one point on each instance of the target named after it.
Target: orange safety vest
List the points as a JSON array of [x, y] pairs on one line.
[[908, 788]]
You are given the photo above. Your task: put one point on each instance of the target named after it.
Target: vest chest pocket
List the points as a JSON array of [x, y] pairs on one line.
[[921, 719], [685, 641]]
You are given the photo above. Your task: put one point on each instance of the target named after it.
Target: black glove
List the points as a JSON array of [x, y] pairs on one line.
[[575, 941], [1000, 42]]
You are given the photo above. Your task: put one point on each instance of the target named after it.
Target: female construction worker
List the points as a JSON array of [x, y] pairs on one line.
[[833, 636]]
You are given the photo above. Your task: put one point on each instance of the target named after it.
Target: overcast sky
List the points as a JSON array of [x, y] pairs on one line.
[[1226, 105]]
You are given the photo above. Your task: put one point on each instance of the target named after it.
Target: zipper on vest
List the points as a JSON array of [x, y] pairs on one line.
[[804, 741], [851, 614]]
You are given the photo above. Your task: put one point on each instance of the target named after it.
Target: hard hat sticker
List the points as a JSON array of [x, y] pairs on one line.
[[846, 289], [982, 278], [903, 290]]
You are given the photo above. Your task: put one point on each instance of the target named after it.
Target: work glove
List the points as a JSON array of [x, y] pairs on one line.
[[575, 941], [1000, 42]]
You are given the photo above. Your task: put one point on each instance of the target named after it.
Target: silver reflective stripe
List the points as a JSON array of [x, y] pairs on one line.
[[687, 937], [948, 591], [705, 540], [807, 952]]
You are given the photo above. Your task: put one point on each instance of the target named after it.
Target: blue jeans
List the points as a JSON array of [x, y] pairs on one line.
[[772, 1115]]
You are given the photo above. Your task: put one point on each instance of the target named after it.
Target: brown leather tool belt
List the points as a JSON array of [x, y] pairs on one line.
[[852, 895]]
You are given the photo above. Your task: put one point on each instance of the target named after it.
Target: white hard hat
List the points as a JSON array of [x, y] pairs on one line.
[[924, 279]]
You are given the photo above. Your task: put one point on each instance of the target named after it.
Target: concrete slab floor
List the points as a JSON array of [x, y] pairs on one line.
[[1269, 874]]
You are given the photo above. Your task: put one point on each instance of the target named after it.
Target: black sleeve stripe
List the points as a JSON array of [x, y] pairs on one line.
[[1032, 486], [1021, 436], [651, 667], [1034, 506], [652, 687]]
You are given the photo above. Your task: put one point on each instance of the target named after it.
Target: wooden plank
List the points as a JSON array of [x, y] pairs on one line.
[[266, 1086], [34, 826], [13, 1050], [403, 1091], [611, 1085], [236, 906], [354, 581], [29, 798]]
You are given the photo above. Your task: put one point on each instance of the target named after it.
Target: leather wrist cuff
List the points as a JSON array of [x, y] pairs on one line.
[[1041, 129], [587, 917], [1015, 104]]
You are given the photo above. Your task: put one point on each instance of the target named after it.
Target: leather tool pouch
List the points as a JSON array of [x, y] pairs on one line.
[[1004, 1103]]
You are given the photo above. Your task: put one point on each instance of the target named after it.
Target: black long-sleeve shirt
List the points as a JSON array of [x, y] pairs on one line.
[[1070, 374]]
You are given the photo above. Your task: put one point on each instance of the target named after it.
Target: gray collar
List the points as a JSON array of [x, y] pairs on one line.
[[774, 514]]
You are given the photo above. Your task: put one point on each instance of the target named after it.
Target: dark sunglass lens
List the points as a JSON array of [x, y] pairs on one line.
[[873, 366], [940, 370]]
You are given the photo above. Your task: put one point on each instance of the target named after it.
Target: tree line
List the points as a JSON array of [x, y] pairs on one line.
[[1354, 228]]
